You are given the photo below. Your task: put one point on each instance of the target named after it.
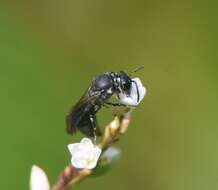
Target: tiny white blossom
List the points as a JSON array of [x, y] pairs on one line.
[[132, 99], [84, 154], [38, 179]]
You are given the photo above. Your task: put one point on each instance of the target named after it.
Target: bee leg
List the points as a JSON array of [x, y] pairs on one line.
[[98, 130], [95, 126], [115, 104], [105, 105]]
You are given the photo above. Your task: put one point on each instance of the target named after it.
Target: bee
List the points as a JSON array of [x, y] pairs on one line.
[[82, 116]]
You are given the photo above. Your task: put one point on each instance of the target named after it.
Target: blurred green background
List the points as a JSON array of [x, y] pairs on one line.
[[51, 50]]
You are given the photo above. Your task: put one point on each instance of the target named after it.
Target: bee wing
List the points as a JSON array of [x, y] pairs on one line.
[[84, 105]]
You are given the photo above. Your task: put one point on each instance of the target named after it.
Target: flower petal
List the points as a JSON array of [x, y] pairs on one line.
[[97, 152], [132, 99], [73, 147], [141, 88], [87, 143], [78, 162]]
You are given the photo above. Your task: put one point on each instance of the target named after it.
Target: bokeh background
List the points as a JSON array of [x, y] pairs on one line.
[[51, 50]]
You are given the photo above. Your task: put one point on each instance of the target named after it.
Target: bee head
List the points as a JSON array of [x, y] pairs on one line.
[[125, 82]]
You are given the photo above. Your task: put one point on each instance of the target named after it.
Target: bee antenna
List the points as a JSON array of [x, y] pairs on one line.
[[136, 70]]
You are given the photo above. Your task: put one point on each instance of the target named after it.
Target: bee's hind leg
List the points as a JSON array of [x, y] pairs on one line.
[[95, 126]]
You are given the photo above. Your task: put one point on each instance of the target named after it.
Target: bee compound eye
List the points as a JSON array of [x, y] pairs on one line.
[[125, 85]]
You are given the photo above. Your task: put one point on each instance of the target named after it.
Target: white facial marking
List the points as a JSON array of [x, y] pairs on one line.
[[109, 91]]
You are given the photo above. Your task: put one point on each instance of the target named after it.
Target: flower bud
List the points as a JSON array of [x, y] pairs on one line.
[[125, 122], [38, 179]]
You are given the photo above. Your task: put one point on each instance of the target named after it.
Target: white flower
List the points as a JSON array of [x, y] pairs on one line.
[[133, 99], [38, 179], [84, 154]]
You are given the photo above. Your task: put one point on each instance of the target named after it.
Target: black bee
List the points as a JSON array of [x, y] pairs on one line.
[[82, 117]]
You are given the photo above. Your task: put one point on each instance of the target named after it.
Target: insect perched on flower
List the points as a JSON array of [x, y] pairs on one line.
[[128, 91]]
